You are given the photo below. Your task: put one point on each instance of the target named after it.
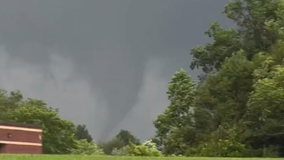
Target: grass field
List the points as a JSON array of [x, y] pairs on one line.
[[48, 157]]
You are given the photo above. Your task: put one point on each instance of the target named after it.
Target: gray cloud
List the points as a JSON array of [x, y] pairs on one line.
[[107, 46]]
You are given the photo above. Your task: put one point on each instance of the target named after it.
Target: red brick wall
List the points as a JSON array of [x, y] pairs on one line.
[[21, 136], [21, 149]]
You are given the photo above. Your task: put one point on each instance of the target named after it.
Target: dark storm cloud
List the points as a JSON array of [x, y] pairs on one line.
[[108, 41]]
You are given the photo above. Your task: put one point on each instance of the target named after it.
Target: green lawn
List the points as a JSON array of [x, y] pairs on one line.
[[69, 157]]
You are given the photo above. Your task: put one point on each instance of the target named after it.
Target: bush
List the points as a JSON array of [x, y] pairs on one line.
[[120, 151], [83, 147], [223, 148], [109, 146], [192, 151], [271, 151], [146, 149]]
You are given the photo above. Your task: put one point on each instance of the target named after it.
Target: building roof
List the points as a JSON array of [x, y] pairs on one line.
[[25, 125]]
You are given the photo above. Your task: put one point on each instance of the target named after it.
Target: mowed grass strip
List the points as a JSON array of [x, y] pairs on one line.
[[73, 157]]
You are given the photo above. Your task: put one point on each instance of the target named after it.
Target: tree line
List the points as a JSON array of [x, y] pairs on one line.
[[236, 109], [59, 136], [64, 137]]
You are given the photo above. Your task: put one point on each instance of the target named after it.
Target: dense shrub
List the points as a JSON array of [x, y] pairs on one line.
[[83, 147], [146, 149], [109, 146], [120, 151], [221, 148], [271, 151]]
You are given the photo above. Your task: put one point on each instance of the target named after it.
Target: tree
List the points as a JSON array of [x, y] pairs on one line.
[[264, 115], [9, 102], [83, 133], [258, 24], [227, 91], [177, 116], [127, 137], [239, 65], [58, 134], [226, 98]]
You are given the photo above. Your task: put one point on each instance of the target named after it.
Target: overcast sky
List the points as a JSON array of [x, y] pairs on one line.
[[103, 63]]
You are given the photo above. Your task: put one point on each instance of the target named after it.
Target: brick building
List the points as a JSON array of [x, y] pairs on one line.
[[20, 138]]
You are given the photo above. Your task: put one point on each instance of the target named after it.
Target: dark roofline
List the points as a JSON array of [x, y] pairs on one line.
[[24, 125]]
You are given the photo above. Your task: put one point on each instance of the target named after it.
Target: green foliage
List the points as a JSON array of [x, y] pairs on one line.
[[146, 149], [58, 134], [225, 93], [259, 26], [124, 151], [264, 116], [109, 146], [211, 55], [83, 147], [119, 143], [83, 157], [223, 148], [271, 151], [83, 133], [236, 109], [222, 143], [127, 137], [177, 115], [8, 102]]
